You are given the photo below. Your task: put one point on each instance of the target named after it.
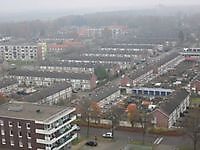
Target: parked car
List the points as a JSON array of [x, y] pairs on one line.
[[91, 143], [108, 135]]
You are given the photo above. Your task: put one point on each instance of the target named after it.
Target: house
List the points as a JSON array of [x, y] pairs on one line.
[[33, 126], [23, 52], [105, 95], [167, 115], [50, 95], [7, 86], [123, 62], [44, 78], [195, 86], [77, 67], [58, 47]]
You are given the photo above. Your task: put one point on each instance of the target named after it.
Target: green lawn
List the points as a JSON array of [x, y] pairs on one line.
[[195, 100], [139, 147]]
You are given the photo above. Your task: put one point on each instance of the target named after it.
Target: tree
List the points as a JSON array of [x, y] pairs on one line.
[[191, 125], [114, 114], [144, 121], [101, 73], [95, 110], [85, 110], [132, 114]]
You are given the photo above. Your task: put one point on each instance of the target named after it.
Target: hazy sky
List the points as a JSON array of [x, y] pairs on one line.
[[43, 5]]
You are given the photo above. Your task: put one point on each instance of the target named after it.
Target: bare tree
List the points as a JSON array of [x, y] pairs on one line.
[[191, 125], [114, 114]]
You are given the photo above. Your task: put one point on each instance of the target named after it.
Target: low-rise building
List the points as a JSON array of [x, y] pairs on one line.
[[77, 67], [8, 85], [38, 127], [50, 95], [45, 78], [170, 111], [105, 95]]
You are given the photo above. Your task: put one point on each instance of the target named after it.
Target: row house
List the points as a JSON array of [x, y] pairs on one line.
[[167, 115], [50, 95], [195, 86], [60, 66], [7, 86], [123, 62], [58, 47], [105, 95], [23, 52], [46, 78], [130, 47], [36, 127]]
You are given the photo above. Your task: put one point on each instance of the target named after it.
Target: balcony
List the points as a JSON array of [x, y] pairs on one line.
[[56, 128], [65, 140], [56, 139]]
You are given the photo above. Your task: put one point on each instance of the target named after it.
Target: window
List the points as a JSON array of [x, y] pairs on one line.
[[19, 133], [1, 122], [19, 125], [10, 123], [12, 142], [3, 141], [28, 135], [2, 132], [11, 132], [28, 125], [20, 143], [29, 145]]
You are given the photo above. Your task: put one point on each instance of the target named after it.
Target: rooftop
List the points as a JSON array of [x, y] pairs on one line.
[[48, 91], [7, 82], [30, 111], [47, 74], [174, 100], [103, 92]]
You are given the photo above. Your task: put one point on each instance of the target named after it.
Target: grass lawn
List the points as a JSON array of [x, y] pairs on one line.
[[139, 147], [195, 100]]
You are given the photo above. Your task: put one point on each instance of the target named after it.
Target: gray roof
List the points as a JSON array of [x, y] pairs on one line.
[[174, 100], [28, 111], [7, 82], [47, 74], [48, 91], [74, 64], [95, 58], [130, 46], [103, 92]]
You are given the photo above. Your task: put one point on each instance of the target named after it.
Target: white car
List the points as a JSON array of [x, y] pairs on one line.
[[108, 135]]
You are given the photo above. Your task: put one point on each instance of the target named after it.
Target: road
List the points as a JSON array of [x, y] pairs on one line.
[[125, 137]]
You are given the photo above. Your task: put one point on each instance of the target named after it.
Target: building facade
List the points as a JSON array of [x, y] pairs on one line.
[[38, 127], [168, 113], [44, 78], [8, 85], [23, 52]]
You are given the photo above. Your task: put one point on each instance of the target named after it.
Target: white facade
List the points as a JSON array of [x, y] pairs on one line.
[[23, 52], [58, 130]]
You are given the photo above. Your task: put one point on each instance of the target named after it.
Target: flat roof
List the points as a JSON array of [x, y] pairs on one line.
[[28, 111]]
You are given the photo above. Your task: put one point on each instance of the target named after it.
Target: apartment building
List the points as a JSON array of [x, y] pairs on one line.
[[44, 78], [37, 127], [50, 95], [23, 52]]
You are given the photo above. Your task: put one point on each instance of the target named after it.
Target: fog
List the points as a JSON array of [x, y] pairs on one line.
[[13, 6]]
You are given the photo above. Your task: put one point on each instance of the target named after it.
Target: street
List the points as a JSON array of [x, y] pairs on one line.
[[122, 138]]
